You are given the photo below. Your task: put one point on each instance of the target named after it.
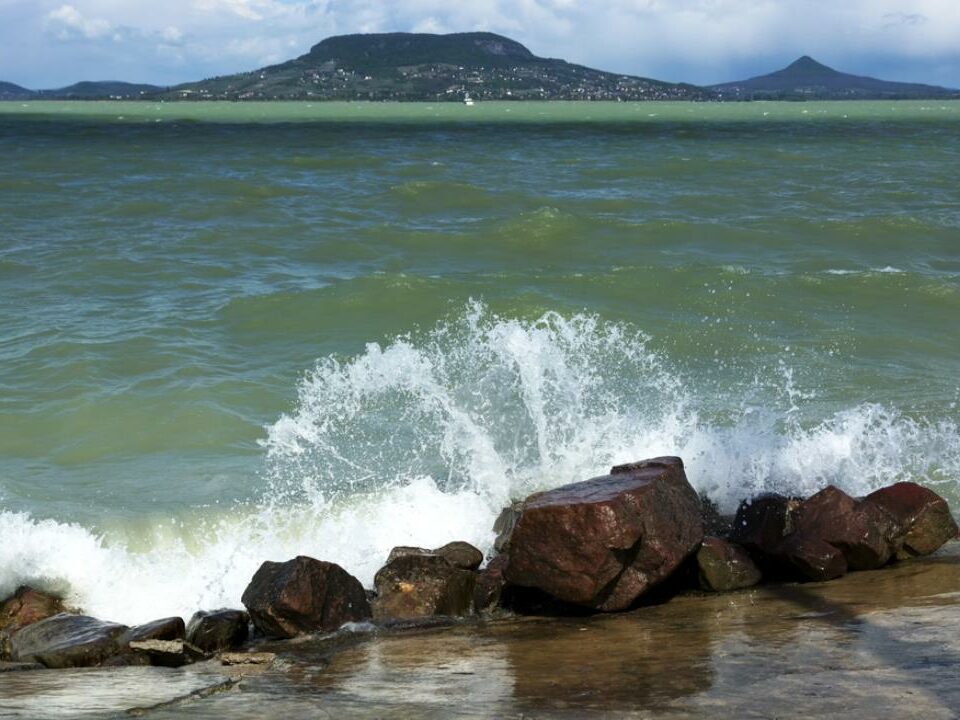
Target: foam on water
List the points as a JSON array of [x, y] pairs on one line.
[[423, 440]]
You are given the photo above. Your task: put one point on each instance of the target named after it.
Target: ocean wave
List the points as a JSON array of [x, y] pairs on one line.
[[423, 439]]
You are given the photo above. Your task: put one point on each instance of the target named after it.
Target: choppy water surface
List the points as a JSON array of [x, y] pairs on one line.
[[231, 333]]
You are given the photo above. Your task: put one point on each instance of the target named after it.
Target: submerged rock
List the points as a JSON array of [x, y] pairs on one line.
[[603, 543], [64, 641], [218, 630], [416, 586], [923, 516], [303, 595], [724, 566]]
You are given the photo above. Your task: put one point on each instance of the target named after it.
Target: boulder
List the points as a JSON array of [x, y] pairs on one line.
[[862, 531], [813, 558], [25, 607], [166, 653], [218, 630], [417, 586], [459, 554], [605, 542], [762, 523], [303, 595], [924, 518], [488, 591], [64, 641], [171, 628], [724, 566]]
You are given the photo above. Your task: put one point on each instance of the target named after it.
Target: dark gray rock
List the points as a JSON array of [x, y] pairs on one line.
[[171, 628], [489, 589], [724, 566], [64, 641], [218, 630]]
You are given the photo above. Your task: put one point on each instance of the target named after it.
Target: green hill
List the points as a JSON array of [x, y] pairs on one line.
[[408, 66], [808, 79], [102, 90]]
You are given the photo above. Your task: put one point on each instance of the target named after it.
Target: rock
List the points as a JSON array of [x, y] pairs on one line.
[[303, 595], [167, 653], [812, 557], [218, 630], [25, 607], [762, 523], [488, 591], [416, 586], [603, 543], [714, 524], [724, 566], [247, 658], [860, 530], [459, 554], [7, 667], [64, 641], [923, 516], [171, 628]]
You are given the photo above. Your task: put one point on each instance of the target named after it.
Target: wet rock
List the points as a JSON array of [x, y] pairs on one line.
[[247, 658], [218, 630], [860, 530], [166, 653], [459, 554], [714, 524], [7, 667], [64, 641], [605, 542], [25, 607], [171, 628], [923, 516], [416, 586], [489, 589], [303, 595], [813, 558], [724, 566], [762, 523]]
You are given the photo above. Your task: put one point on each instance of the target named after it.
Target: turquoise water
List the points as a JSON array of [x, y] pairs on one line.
[[238, 332]]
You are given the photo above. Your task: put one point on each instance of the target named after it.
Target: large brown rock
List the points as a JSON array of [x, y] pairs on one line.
[[923, 516], [724, 566], [303, 595], [65, 641], [812, 557], [860, 530], [416, 586], [25, 607], [216, 630], [605, 542]]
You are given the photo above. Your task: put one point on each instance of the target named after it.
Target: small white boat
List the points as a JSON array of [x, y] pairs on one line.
[[467, 100]]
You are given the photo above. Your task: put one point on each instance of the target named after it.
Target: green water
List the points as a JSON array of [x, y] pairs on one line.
[[771, 290]]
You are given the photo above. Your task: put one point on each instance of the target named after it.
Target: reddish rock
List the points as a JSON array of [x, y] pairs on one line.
[[218, 630], [303, 595], [458, 553], [724, 566], [860, 530], [763, 522], [923, 516], [25, 607], [488, 592], [813, 558], [416, 586], [603, 543]]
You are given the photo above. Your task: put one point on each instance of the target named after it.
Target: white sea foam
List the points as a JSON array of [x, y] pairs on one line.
[[425, 439]]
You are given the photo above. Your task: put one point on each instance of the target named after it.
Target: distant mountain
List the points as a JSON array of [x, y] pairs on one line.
[[102, 90], [408, 66], [9, 91], [808, 79]]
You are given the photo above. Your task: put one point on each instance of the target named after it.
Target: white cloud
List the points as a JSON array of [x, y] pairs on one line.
[[68, 22]]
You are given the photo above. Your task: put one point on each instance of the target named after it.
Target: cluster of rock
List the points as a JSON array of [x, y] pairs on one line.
[[600, 545]]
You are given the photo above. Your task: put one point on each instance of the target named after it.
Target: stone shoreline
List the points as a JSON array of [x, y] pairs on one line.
[[636, 537]]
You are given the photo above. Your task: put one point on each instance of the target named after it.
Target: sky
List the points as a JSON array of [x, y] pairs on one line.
[[52, 43]]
